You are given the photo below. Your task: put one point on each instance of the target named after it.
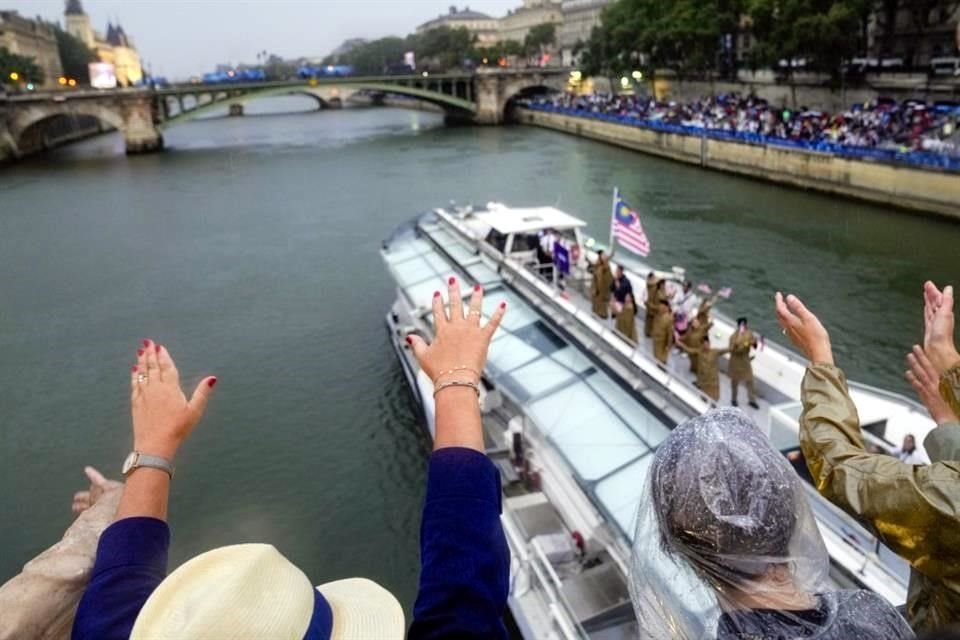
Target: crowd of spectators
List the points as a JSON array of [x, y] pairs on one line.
[[882, 124]]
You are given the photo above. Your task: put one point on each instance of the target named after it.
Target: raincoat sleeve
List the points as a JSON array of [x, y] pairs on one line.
[[950, 387], [943, 443], [902, 503]]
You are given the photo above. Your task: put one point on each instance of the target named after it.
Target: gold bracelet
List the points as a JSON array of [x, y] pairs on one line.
[[462, 367], [456, 383]]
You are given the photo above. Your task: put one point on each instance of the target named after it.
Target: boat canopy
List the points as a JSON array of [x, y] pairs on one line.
[[508, 220]]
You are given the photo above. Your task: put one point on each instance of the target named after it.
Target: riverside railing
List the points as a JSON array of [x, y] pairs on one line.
[[920, 159]]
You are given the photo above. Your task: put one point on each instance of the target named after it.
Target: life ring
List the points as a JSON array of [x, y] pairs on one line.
[[575, 253]]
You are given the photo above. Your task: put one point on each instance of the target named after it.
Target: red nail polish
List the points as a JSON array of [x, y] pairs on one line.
[[158, 348], [139, 352], [211, 382], [477, 287], [503, 305], [146, 342], [452, 281], [409, 340], [436, 294], [133, 369]]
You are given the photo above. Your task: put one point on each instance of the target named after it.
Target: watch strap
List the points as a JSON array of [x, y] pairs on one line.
[[154, 462]]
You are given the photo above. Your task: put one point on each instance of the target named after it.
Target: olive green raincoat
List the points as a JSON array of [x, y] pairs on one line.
[[915, 510]]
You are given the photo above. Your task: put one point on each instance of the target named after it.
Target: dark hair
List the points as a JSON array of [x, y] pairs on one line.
[[742, 518], [741, 320], [661, 283]]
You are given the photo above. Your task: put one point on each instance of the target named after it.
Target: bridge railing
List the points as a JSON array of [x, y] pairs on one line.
[[919, 159]]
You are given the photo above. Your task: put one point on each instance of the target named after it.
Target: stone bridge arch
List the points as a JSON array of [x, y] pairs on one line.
[[131, 117], [496, 89]]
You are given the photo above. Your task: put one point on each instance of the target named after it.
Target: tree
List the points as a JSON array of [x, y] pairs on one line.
[[74, 56], [540, 37], [442, 48], [815, 30], [26, 69]]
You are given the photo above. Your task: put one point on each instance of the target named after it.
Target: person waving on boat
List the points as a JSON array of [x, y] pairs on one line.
[[914, 510]]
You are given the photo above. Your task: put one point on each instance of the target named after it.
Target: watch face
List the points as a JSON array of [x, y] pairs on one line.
[[129, 462]]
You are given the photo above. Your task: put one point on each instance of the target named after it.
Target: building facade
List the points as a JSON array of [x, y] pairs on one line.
[[579, 19], [915, 36], [32, 39], [115, 48], [517, 23], [480, 25]]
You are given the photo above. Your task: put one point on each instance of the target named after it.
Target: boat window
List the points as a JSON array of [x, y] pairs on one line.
[[497, 240]]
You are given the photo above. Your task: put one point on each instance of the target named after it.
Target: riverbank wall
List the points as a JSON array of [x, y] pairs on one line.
[[921, 190]]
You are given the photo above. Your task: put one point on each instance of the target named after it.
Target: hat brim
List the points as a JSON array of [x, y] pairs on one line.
[[363, 610]]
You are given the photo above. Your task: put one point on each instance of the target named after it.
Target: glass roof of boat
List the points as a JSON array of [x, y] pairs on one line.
[[604, 432]]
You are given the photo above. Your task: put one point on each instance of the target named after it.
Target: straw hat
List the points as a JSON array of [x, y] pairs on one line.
[[252, 591]]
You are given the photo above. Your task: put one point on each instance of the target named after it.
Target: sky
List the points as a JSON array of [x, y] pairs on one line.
[[180, 38]]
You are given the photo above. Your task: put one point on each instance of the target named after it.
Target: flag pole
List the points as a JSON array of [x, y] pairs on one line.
[[613, 212]]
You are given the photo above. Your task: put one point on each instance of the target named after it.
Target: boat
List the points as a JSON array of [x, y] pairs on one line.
[[572, 412]]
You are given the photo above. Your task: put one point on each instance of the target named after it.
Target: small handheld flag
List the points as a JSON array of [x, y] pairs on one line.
[[726, 292], [626, 228]]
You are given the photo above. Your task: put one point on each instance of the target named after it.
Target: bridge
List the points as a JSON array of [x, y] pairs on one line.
[[141, 114]]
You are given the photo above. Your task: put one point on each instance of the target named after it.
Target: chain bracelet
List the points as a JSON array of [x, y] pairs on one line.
[[462, 367], [456, 383]]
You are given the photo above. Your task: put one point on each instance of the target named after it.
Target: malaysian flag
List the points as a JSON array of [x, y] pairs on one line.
[[626, 228]]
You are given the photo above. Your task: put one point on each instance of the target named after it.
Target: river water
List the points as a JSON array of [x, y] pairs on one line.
[[249, 248]]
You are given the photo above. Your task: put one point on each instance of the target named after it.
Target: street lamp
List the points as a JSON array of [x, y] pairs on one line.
[[14, 76]]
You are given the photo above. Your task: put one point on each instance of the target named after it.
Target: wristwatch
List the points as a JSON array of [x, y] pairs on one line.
[[136, 460]]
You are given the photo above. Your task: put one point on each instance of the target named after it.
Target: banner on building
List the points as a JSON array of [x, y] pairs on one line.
[[102, 75]]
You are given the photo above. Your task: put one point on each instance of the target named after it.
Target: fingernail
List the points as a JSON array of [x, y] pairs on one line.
[[503, 305], [436, 294], [139, 352], [211, 382], [409, 340], [477, 287], [158, 348], [452, 281], [133, 369], [146, 342]]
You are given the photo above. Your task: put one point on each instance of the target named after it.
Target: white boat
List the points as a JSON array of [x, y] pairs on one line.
[[572, 412]]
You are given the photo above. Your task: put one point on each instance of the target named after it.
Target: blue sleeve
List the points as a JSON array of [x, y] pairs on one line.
[[464, 559], [131, 562]]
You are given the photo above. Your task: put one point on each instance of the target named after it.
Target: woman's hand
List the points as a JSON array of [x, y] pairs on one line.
[[162, 416], [99, 485], [938, 325], [925, 380], [804, 329], [460, 344]]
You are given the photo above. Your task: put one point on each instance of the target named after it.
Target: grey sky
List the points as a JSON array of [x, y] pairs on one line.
[[179, 38]]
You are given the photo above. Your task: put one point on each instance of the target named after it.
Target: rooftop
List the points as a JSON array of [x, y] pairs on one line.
[[509, 220]]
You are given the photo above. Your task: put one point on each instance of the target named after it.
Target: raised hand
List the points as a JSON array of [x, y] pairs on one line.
[[162, 416], [804, 329], [938, 327], [460, 344], [925, 380], [83, 500]]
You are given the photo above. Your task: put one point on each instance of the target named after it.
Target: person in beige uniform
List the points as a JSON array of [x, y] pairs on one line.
[[602, 279], [708, 371], [662, 333], [914, 510], [741, 369], [650, 304], [626, 319]]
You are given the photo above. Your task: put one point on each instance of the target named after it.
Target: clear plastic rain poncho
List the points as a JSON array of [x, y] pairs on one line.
[[726, 546]]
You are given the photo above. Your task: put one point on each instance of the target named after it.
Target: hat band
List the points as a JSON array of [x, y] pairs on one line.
[[321, 622]]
